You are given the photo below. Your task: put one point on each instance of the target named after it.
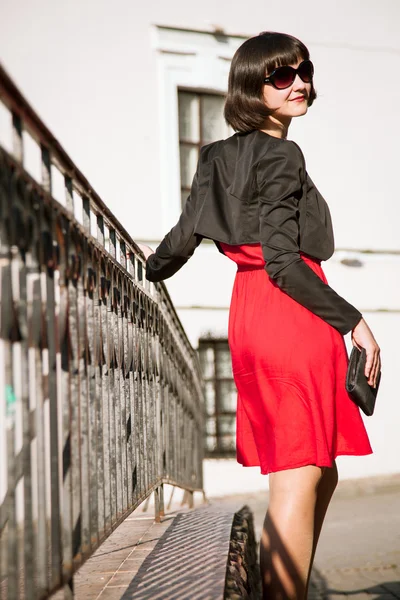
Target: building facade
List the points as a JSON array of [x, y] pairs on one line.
[[134, 93]]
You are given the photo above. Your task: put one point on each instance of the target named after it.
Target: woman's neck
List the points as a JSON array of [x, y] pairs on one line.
[[276, 128]]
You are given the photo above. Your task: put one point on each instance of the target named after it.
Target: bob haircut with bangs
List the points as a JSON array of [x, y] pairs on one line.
[[245, 109]]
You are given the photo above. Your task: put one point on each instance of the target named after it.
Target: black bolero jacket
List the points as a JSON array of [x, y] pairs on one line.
[[254, 188]]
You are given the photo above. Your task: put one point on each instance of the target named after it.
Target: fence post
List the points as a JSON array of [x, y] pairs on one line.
[[159, 503]]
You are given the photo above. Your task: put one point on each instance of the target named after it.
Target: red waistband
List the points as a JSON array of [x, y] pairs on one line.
[[305, 257]]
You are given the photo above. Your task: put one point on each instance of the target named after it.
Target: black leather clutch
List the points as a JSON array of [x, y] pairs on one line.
[[357, 384]]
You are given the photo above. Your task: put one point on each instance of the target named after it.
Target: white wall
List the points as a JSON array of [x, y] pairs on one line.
[[90, 69], [94, 72]]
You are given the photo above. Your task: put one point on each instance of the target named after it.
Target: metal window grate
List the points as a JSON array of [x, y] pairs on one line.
[[221, 394]]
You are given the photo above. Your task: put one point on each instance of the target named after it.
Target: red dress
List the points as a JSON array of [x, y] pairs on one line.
[[289, 367]]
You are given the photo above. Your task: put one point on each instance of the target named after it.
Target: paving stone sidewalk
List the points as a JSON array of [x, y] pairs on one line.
[[108, 573]]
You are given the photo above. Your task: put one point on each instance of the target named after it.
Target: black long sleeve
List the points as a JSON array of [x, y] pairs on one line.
[[279, 177], [178, 244]]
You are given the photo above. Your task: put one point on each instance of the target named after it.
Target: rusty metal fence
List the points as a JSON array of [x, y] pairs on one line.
[[101, 396]]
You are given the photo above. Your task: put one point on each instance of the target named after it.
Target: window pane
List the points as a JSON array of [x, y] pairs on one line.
[[227, 442], [188, 106], [189, 157], [212, 118], [210, 398], [227, 395], [211, 426], [184, 197], [207, 361], [211, 443], [227, 425], [224, 364]]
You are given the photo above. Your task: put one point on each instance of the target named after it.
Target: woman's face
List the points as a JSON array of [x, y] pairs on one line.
[[290, 102]]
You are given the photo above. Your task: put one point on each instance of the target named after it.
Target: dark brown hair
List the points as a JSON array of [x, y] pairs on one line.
[[245, 109]]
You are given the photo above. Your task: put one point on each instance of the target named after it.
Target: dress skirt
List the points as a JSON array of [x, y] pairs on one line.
[[289, 368]]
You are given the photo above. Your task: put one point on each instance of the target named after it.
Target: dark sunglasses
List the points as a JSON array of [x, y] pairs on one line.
[[283, 77]]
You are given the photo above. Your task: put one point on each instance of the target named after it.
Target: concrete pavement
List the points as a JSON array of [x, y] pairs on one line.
[[358, 553]]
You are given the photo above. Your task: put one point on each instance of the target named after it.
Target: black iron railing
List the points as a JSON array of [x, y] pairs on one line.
[[101, 396]]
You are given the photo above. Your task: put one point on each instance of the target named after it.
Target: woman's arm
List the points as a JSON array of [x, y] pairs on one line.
[[280, 176], [178, 245]]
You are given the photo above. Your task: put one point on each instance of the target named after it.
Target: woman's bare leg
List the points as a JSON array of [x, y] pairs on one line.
[[325, 491], [287, 541]]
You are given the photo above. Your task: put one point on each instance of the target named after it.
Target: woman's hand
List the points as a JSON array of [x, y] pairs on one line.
[[362, 337], [147, 251]]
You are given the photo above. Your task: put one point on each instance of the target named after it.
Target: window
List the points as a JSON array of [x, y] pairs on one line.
[[221, 394], [201, 121]]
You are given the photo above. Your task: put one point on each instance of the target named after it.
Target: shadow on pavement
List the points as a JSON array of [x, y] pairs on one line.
[[318, 588]]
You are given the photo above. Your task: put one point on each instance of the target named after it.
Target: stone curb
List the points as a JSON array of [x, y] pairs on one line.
[[242, 574]]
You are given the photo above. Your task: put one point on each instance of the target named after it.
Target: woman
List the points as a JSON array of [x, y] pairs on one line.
[[253, 196]]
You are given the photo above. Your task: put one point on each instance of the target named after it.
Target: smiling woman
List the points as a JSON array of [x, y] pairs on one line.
[[249, 102], [252, 195]]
